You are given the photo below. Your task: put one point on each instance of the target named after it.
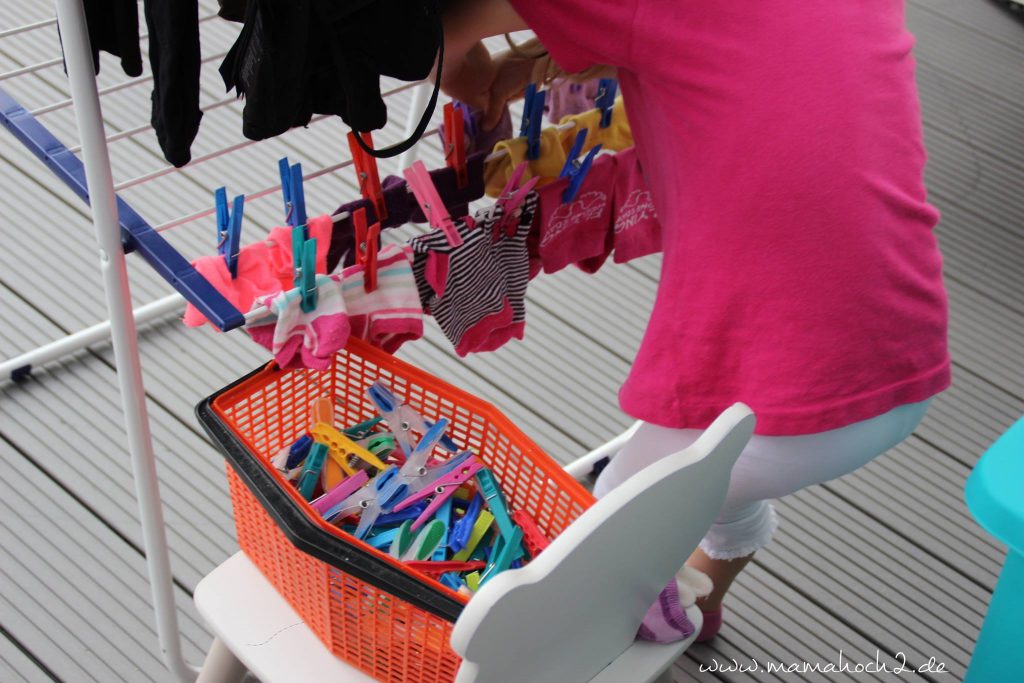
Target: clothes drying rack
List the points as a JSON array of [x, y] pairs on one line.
[[121, 230]]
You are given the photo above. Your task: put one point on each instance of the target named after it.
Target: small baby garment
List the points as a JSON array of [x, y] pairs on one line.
[[255, 277], [615, 138], [567, 98], [463, 287], [509, 232], [391, 314], [280, 243], [637, 231], [579, 231], [546, 166], [299, 339]]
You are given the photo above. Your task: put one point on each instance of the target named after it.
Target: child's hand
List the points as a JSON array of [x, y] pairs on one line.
[[469, 79]]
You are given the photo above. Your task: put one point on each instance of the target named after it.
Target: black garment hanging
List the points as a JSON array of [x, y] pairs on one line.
[[297, 58], [175, 59], [114, 28]]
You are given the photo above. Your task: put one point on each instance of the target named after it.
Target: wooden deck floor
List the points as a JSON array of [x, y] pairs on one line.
[[886, 560]]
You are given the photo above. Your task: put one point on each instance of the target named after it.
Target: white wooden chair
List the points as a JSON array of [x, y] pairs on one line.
[[570, 615]]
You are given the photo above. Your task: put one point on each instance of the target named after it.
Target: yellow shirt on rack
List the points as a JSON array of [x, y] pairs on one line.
[[547, 166], [615, 138]]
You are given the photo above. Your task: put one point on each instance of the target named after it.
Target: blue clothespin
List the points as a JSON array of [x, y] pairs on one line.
[[403, 515], [298, 451], [229, 228], [533, 118], [452, 580], [293, 194], [384, 539], [607, 88], [574, 153], [463, 528], [577, 173]]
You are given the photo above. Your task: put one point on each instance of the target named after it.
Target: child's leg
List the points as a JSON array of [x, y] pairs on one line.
[[769, 467]]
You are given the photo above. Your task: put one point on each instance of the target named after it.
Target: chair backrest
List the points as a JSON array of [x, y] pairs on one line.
[[575, 608]]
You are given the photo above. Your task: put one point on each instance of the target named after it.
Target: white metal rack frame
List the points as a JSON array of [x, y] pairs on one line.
[[121, 328]]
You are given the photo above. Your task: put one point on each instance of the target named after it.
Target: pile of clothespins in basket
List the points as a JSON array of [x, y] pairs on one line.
[[444, 516]]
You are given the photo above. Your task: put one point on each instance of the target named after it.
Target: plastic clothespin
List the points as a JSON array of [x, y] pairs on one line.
[[367, 242], [441, 489], [511, 198], [321, 410], [434, 568], [340, 492], [451, 580], [533, 119], [413, 546], [533, 539], [366, 171], [311, 470], [444, 514], [504, 554], [304, 256], [409, 513], [377, 497], [402, 418], [294, 195], [297, 452], [342, 448], [229, 228], [462, 530], [578, 173], [362, 429], [383, 540], [495, 500], [455, 142], [607, 88], [414, 471], [473, 581], [574, 153], [480, 528], [422, 186]]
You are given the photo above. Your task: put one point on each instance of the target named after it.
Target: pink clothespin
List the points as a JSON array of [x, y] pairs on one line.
[[511, 198], [433, 208], [442, 489]]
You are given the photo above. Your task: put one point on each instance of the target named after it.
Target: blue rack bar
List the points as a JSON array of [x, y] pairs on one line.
[[136, 234]]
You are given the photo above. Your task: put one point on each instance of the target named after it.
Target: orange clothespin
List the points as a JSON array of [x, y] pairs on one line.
[[321, 410], [366, 248], [366, 171], [455, 144]]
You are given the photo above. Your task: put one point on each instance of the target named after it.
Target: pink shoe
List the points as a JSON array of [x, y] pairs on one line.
[[712, 623]]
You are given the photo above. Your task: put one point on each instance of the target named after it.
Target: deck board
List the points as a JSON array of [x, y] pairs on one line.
[[886, 559]]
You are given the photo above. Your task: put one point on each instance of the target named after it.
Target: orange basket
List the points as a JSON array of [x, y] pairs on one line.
[[377, 614]]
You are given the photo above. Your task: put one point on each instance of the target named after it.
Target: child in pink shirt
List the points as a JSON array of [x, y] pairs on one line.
[[782, 144]]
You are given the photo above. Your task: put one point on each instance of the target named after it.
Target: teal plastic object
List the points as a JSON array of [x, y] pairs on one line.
[[995, 496]]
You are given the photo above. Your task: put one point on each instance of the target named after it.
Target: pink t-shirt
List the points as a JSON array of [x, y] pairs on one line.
[[782, 143]]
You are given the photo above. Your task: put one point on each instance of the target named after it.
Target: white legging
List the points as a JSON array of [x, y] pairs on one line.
[[769, 467]]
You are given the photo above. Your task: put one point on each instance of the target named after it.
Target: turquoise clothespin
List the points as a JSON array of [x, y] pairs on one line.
[[495, 500], [504, 554], [304, 259], [444, 514], [384, 539], [311, 470]]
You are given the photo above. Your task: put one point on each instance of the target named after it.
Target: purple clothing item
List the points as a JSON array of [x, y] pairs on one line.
[[566, 98], [666, 621], [402, 207]]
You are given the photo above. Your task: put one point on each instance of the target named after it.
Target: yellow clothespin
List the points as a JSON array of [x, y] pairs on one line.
[[341, 448]]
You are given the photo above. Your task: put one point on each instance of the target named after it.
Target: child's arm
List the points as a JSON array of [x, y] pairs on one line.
[[470, 74]]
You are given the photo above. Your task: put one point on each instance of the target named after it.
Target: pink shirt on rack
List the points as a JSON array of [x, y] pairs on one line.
[[782, 144]]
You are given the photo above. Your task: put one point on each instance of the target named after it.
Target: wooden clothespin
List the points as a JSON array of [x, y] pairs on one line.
[[366, 248], [455, 142], [366, 171], [607, 88], [533, 119], [433, 208], [229, 228]]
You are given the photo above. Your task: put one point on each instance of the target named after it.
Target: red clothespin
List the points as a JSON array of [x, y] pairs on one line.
[[433, 568], [422, 187], [366, 172], [455, 143], [366, 248], [533, 539]]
